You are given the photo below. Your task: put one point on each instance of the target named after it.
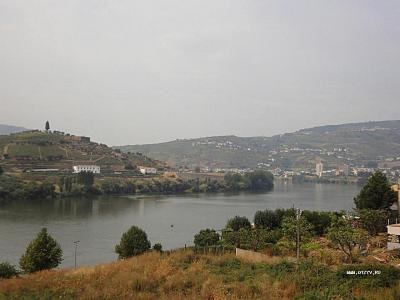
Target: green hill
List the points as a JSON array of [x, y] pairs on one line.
[[30, 150], [354, 144]]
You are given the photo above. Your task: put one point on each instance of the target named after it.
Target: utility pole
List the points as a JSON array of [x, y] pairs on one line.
[[298, 214], [76, 247]]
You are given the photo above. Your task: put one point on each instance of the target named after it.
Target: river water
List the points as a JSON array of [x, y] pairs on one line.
[[98, 223]]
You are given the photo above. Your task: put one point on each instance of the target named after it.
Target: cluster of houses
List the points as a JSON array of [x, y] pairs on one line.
[[95, 169]]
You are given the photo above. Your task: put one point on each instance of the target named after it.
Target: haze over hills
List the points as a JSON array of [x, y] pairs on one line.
[[355, 144], [7, 129]]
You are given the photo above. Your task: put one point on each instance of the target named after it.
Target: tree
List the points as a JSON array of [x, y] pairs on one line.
[[320, 220], [345, 237], [133, 242], [86, 179], [266, 219], [374, 221], [259, 180], [233, 181], [238, 222], [1, 170], [42, 253], [290, 225], [206, 237], [376, 194], [239, 239], [47, 126]]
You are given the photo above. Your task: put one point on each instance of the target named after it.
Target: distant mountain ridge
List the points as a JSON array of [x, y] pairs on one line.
[[364, 143], [7, 129]]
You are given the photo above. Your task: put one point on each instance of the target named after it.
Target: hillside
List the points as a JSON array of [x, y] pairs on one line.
[[7, 129], [356, 144], [31, 150], [187, 275]]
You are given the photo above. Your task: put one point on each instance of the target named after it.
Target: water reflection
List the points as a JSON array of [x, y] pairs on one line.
[[99, 222]]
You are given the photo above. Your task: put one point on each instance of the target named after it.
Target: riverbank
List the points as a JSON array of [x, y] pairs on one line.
[[87, 184], [189, 275]]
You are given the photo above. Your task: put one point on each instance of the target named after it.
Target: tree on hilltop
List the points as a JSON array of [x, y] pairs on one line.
[[47, 126]]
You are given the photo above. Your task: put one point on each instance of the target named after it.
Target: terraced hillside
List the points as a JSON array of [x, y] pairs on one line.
[[353, 144], [31, 150]]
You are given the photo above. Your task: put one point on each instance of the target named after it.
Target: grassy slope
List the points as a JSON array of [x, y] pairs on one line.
[[185, 275]]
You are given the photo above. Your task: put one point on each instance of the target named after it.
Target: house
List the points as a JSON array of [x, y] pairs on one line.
[[396, 189], [147, 170], [86, 168], [393, 241]]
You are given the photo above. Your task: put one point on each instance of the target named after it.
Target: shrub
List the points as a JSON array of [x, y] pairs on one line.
[[7, 270], [133, 242], [157, 247], [42, 253]]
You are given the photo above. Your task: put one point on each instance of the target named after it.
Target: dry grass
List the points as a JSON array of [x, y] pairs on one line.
[[180, 275]]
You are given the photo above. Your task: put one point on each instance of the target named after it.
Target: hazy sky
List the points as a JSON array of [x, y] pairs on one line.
[[127, 72]]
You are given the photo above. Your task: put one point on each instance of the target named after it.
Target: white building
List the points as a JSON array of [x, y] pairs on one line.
[[147, 170], [86, 168], [319, 168]]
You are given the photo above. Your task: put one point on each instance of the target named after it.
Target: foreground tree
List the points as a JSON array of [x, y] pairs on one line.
[[346, 238], [290, 226], [238, 222], [266, 219], [42, 253], [133, 242], [206, 237], [376, 194], [374, 221]]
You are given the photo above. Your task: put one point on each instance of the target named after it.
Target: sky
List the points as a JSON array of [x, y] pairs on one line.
[[135, 72]]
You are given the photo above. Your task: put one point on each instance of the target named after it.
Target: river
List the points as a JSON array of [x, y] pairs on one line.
[[98, 223]]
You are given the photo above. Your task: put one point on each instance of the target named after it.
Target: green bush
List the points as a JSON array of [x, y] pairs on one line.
[[157, 247], [133, 242], [7, 270]]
